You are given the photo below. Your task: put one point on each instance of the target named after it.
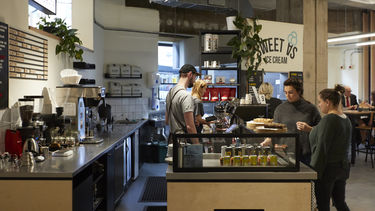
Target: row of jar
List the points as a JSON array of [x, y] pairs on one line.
[[123, 70], [244, 149], [210, 42], [219, 94], [120, 89], [249, 160]]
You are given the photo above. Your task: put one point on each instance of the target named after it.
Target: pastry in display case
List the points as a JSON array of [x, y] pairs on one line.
[[235, 152]]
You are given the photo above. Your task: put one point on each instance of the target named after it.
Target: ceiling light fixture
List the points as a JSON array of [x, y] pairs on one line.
[[364, 1], [366, 43], [351, 37]]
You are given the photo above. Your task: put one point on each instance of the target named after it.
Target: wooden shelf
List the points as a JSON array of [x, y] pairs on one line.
[[44, 33]]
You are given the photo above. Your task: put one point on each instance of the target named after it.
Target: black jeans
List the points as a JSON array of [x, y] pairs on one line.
[[332, 184]]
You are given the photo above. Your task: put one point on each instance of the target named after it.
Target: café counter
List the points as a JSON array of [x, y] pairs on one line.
[[93, 177]]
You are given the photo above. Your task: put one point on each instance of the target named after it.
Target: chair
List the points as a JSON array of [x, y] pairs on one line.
[[369, 147]]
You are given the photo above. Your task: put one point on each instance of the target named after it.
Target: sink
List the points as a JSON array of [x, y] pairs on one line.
[[126, 122], [158, 123]]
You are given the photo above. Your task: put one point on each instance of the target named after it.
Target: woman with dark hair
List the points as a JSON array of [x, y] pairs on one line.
[[330, 141], [295, 109]]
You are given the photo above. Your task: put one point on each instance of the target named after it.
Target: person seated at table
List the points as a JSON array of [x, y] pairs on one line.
[[348, 100], [267, 89]]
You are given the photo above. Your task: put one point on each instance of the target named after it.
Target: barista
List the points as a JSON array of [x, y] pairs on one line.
[[180, 104]]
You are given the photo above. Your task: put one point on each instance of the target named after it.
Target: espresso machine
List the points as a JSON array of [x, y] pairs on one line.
[[78, 103]]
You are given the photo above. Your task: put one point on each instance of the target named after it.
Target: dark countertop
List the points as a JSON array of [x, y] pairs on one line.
[[83, 155]]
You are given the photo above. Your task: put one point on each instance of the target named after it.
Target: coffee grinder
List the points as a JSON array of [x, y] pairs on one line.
[[26, 110]]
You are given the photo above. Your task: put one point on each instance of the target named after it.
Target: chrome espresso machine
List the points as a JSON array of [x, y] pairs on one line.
[[80, 103]]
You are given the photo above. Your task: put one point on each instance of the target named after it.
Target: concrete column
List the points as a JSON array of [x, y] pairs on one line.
[[315, 52]]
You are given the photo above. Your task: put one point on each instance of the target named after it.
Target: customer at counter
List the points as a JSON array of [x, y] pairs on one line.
[[267, 89], [180, 104], [199, 88], [348, 100], [330, 141], [296, 109]]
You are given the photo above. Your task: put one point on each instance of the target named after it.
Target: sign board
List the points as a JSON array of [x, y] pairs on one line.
[[46, 6], [4, 80], [283, 48]]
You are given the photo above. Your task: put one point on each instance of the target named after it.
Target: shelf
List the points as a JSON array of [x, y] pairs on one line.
[[96, 180], [219, 68], [168, 83], [107, 95], [97, 202], [223, 84], [216, 52], [120, 77]]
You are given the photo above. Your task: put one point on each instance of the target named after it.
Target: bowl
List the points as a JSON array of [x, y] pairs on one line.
[[71, 80]]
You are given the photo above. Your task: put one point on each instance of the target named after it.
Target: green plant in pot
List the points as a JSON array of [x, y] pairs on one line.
[[68, 36], [247, 47]]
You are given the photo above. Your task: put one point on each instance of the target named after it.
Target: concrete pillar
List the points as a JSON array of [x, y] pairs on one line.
[[315, 52], [314, 15]]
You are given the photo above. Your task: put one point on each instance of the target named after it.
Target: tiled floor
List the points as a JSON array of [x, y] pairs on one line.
[[130, 201], [360, 193]]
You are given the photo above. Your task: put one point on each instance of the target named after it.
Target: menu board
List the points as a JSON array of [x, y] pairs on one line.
[[4, 84], [28, 56]]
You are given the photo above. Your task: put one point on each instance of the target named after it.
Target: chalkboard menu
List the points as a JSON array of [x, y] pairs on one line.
[[255, 79], [28, 56], [4, 83]]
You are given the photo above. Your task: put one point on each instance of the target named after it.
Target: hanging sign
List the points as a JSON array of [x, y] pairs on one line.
[[4, 83], [283, 49], [46, 6]]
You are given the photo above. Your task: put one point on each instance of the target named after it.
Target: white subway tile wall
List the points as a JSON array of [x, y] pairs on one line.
[[129, 108]]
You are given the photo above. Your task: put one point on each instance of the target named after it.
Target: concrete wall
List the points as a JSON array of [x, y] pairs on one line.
[[352, 77]]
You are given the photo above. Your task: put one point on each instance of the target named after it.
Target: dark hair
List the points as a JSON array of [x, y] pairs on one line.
[[296, 84], [333, 95]]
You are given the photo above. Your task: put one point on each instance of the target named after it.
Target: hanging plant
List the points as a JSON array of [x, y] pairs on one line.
[[69, 39], [247, 46]]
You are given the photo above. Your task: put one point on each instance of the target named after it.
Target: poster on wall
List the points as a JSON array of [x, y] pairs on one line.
[[4, 83], [283, 49]]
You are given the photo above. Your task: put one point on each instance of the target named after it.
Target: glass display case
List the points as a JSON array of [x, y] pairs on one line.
[[235, 152]]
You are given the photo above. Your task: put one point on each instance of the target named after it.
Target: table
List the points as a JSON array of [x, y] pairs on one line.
[[355, 115]]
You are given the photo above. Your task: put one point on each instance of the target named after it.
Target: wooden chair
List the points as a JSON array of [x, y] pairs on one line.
[[369, 146]]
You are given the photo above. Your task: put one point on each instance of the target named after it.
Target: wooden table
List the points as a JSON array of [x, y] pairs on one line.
[[355, 115]]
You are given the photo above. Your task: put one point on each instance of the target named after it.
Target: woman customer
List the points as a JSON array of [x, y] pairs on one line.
[[267, 89], [330, 141], [198, 90], [295, 109]]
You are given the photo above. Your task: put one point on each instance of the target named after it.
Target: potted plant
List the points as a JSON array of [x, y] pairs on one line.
[[247, 46], [68, 36]]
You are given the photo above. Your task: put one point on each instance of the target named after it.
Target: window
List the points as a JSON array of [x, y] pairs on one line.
[[277, 81], [63, 11], [167, 61], [165, 54]]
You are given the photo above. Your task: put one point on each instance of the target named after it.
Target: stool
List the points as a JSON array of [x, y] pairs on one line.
[[369, 147]]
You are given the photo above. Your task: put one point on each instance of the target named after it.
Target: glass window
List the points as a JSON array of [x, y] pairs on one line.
[[63, 11], [165, 54], [277, 81]]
